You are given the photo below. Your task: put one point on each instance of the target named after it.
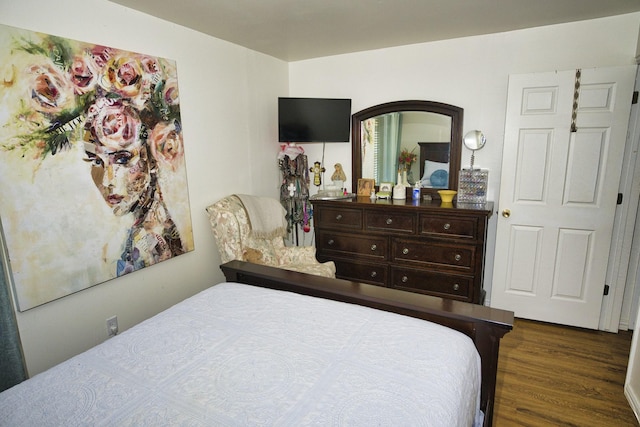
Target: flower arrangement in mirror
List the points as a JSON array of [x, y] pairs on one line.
[[406, 159]]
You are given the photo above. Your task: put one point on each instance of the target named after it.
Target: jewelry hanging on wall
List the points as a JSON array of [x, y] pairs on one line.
[[294, 188]]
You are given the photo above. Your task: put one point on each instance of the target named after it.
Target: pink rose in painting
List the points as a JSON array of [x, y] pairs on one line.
[[101, 55], [84, 73], [166, 145], [151, 66], [50, 91], [116, 126], [124, 75], [170, 92]]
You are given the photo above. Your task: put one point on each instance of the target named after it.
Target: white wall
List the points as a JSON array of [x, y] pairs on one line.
[[468, 72], [228, 105]]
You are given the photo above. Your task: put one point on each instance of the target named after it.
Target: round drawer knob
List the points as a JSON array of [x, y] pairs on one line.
[[389, 221], [456, 287], [405, 251], [374, 247], [458, 257], [447, 226], [338, 217], [405, 279], [373, 274], [330, 242]]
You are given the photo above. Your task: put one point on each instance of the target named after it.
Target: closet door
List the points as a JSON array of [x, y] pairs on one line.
[[565, 136]]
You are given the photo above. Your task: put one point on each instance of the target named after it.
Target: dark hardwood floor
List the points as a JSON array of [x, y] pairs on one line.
[[550, 375]]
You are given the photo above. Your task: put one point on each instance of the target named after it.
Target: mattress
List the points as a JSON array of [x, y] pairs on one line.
[[239, 355]]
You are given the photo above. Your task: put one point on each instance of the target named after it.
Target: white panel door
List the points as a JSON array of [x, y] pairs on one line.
[[558, 192]]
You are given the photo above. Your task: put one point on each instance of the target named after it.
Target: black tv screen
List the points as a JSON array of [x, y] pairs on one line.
[[314, 119]]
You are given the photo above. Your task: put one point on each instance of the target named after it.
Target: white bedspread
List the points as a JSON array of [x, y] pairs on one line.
[[238, 355]]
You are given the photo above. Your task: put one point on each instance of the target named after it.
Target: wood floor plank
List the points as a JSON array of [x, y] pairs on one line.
[[552, 375]]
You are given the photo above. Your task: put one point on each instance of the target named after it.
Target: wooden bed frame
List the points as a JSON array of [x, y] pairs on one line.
[[484, 325]]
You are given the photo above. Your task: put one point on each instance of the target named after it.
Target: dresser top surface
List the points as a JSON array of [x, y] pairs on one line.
[[408, 204]]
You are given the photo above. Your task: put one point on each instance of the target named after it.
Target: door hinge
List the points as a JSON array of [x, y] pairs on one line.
[[634, 100], [619, 202], [606, 289]]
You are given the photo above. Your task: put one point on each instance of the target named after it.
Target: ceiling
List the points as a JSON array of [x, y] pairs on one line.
[[295, 30]]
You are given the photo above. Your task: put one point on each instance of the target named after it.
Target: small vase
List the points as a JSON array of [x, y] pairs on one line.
[[404, 178]]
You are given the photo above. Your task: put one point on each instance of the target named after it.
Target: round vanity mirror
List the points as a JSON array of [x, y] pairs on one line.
[[474, 140]]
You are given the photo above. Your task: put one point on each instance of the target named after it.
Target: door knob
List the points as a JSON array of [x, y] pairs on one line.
[[506, 213]]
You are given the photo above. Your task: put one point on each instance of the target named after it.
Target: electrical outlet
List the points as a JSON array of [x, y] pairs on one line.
[[112, 326]]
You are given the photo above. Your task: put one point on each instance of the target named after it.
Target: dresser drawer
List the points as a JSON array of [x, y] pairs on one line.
[[432, 253], [375, 274], [417, 247], [338, 218], [449, 227], [389, 222], [432, 283], [342, 244]]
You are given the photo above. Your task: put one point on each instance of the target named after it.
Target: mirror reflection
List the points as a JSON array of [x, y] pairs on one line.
[[391, 144], [408, 141]]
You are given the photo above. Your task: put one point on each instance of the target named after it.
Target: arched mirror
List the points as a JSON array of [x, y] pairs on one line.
[[429, 132]]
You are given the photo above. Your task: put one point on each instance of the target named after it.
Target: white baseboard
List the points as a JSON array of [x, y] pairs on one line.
[[633, 400]]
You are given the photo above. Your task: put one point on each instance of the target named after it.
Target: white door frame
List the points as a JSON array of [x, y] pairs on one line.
[[620, 307]]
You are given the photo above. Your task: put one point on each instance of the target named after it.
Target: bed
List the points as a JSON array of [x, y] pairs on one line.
[[271, 347]]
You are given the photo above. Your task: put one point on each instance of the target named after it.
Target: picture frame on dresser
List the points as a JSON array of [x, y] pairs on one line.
[[386, 186], [385, 190], [365, 186]]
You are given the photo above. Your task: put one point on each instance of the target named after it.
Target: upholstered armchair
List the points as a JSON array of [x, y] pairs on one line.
[[235, 229]]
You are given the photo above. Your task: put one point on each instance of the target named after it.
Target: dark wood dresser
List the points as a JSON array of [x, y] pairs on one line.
[[416, 246]]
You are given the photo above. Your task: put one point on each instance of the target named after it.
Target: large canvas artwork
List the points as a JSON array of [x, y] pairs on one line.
[[92, 175]]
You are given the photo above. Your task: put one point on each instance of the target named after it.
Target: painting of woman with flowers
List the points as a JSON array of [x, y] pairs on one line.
[[92, 171]]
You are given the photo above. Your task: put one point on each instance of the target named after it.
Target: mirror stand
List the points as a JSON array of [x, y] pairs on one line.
[[474, 140], [473, 182]]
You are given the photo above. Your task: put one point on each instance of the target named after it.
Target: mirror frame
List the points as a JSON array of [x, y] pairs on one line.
[[455, 150]]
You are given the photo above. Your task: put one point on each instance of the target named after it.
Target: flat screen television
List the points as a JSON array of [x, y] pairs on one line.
[[314, 119]]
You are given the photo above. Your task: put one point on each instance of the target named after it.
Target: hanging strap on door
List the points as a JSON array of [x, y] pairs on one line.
[[576, 95]]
